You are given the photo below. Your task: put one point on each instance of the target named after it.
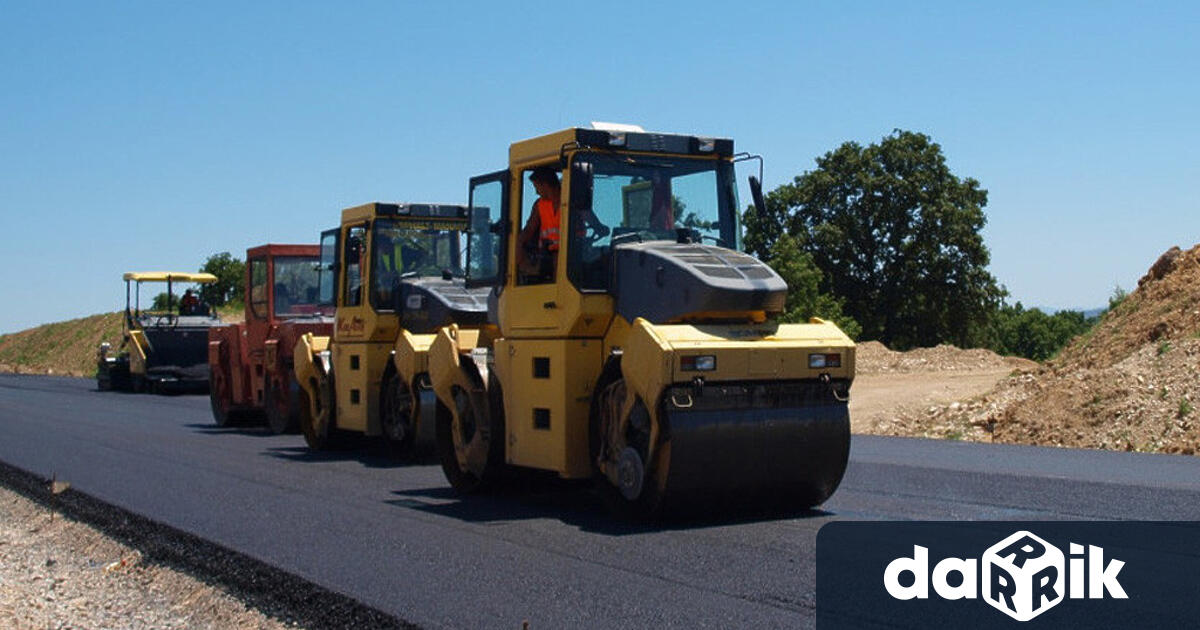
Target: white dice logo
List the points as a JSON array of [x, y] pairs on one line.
[[1023, 576]]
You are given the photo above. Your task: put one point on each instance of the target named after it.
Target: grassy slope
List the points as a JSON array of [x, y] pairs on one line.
[[70, 347], [62, 347]]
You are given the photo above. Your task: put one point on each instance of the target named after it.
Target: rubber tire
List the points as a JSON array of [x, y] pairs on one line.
[[103, 378], [281, 418]]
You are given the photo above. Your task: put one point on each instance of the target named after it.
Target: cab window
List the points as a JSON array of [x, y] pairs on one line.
[[326, 277], [537, 244], [258, 288], [353, 259], [295, 286], [646, 199]]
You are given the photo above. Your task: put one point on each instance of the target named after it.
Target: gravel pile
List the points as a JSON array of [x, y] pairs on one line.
[[872, 357]]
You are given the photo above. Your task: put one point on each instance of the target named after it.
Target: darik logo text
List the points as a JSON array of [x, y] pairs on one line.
[[1023, 576]]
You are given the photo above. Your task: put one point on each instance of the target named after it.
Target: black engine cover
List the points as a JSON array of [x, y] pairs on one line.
[[664, 281], [426, 304]]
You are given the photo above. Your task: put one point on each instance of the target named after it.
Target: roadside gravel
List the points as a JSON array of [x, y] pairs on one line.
[[59, 573], [69, 560]]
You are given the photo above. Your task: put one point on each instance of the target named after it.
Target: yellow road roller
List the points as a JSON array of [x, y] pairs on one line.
[[629, 337], [394, 273]]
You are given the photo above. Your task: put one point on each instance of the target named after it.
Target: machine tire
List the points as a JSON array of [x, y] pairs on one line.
[[103, 379], [396, 400], [219, 399], [490, 451], [281, 408], [118, 376]]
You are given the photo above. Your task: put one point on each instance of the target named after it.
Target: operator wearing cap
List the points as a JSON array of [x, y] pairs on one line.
[[537, 244]]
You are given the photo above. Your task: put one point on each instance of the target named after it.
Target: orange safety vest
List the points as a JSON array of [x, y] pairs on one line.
[[548, 221]]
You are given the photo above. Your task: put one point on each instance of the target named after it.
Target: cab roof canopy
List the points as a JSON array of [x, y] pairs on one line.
[[403, 210], [609, 136], [169, 276]]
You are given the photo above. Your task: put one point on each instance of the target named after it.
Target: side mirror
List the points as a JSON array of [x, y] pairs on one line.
[[760, 206]]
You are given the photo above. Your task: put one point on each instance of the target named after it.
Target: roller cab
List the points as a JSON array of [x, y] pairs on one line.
[[251, 361], [394, 273]]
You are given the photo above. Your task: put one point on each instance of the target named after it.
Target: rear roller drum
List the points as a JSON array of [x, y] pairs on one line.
[[470, 439], [281, 405], [396, 415], [319, 432], [221, 401], [629, 484]]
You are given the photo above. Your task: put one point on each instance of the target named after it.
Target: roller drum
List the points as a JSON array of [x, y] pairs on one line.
[[783, 444]]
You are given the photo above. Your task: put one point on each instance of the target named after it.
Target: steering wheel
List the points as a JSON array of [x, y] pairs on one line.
[[591, 235]]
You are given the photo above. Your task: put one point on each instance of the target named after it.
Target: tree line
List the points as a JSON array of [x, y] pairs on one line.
[[886, 241]]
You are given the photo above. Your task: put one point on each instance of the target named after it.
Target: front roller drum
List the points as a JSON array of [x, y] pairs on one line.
[[785, 456], [782, 445]]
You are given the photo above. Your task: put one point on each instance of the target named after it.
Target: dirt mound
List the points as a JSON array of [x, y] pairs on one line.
[[1132, 383], [872, 357], [1164, 307]]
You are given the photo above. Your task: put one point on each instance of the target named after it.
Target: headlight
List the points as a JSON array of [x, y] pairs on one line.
[[824, 360], [698, 363]]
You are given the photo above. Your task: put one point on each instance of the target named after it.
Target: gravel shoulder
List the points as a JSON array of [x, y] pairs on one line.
[[56, 572], [69, 560]]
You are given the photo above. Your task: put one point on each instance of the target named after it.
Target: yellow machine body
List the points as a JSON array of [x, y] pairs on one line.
[[569, 369], [343, 376]]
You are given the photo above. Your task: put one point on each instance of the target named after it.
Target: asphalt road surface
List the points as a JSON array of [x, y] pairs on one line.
[[396, 538]]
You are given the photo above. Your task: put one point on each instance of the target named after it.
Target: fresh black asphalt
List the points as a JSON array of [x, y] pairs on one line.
[[396, 538]]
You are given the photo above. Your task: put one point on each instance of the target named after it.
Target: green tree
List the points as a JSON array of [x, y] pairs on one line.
[[160, 302], [896, 235], [804, 298], [1118, 296], [231, 275], [1033, 334]]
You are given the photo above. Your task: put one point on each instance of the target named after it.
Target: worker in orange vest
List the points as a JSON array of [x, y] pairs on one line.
[[537, 244]]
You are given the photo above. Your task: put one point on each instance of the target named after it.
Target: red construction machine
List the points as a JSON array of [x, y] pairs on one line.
[[251, 363]]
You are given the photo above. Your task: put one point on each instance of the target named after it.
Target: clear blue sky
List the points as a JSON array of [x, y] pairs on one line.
[[150, 135]]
